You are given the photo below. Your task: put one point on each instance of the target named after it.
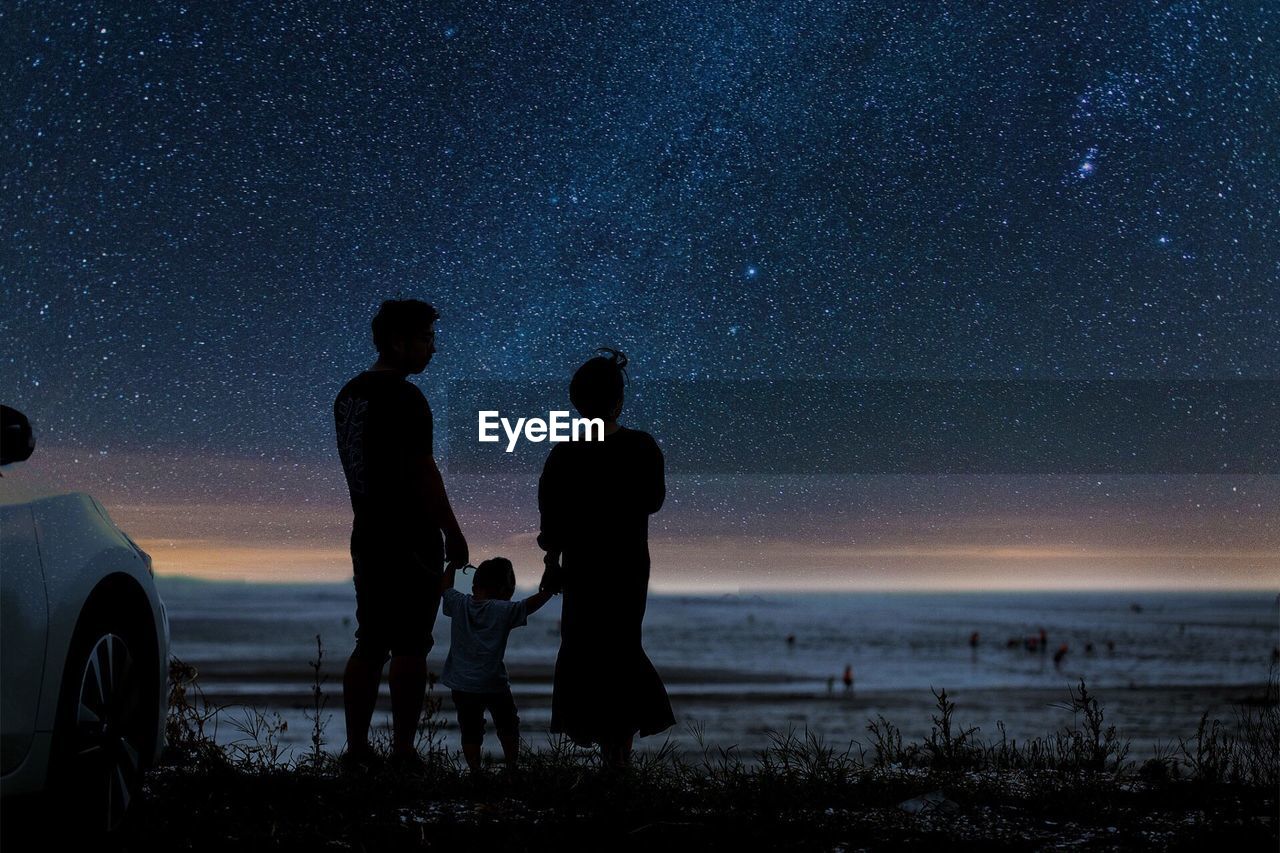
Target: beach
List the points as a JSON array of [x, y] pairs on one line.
[[742, 668]]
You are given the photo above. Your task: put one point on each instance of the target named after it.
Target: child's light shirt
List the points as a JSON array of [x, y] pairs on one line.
[[478, 641]]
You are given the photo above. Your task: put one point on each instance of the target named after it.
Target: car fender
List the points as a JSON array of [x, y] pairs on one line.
[[82, 550]]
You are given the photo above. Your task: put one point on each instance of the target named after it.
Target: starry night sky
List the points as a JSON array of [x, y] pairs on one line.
[[202, 205]]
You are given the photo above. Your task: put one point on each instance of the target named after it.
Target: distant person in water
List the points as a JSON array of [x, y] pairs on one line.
[[848, 677], [595, 499], [475, 670], [404, 528]]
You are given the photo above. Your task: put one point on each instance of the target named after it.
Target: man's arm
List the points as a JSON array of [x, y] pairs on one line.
[[446, 580], [437, 500]]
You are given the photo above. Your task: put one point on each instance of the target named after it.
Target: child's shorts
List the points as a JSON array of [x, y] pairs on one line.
[[471, 708]]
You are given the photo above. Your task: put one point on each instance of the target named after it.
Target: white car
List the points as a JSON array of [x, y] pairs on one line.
[[84, 650]]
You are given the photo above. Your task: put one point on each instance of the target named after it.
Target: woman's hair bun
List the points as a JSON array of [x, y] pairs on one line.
[[618, 357]]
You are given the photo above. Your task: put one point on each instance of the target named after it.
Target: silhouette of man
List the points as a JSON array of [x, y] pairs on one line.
[[384, 431]]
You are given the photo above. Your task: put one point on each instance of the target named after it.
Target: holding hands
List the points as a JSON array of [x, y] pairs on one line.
[[551, 579]]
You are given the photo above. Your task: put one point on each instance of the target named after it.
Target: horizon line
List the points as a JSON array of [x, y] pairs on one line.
[[729, 589]]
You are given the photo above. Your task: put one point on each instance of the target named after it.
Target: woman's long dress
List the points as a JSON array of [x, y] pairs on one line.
[[595, 499]]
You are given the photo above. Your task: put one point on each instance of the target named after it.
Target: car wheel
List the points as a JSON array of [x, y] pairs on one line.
[[102, 727]]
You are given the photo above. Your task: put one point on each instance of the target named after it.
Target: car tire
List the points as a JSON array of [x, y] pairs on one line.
[[103, 724]]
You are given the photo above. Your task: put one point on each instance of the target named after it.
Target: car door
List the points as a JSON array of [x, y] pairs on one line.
[[24, 624]]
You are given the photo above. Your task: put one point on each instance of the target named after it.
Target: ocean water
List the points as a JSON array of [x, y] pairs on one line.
[[1158, 660]]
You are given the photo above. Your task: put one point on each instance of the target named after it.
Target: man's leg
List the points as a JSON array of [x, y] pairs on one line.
[[359, 696], [364, 668], [408, 680], [413, 605]]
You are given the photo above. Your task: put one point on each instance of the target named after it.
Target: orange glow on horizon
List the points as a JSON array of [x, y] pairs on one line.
[[289, 522], [719, 566]]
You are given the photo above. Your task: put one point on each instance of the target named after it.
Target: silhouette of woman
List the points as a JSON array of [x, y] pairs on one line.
[[595, 499]]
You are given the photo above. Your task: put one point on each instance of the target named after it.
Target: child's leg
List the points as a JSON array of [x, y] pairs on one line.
[[510, 749], [506, 720], [470, 707]]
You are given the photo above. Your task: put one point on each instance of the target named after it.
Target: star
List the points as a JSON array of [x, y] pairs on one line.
[[1087, 166]]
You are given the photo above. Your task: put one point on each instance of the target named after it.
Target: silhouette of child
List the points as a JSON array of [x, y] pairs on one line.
[[474, 669]]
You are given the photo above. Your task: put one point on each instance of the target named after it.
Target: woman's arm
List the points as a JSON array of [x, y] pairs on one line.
[[551, 511], [657, 491], [551, 504]]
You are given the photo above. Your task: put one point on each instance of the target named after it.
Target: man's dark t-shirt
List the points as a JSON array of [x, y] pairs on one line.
[[383, 422]]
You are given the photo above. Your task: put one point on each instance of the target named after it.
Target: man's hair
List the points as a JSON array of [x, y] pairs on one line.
[[496, 575], [398, 319], [597, 386]]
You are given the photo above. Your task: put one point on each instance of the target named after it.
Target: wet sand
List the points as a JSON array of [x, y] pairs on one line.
[[734, 708]]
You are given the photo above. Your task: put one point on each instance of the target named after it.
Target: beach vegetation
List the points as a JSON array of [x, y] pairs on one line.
[[954, 785]]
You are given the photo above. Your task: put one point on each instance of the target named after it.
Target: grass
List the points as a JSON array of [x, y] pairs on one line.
[[1076, 786]]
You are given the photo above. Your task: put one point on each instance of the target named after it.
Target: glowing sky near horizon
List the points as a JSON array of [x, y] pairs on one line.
[[200, 208]]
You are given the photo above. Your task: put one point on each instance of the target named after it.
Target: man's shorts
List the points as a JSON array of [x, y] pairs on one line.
[[397, 599], [471, 708]]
